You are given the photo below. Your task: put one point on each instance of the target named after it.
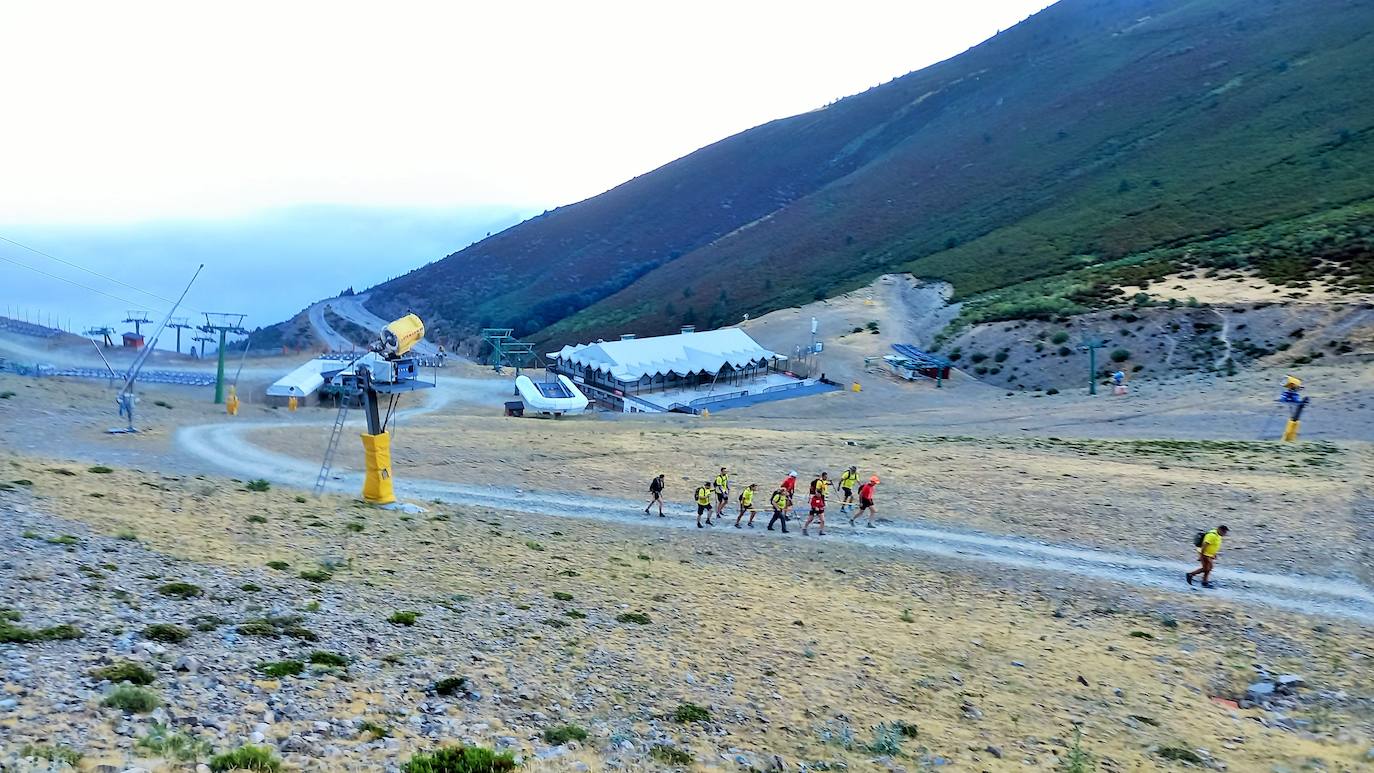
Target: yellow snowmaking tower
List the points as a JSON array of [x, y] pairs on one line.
[[384, 371]]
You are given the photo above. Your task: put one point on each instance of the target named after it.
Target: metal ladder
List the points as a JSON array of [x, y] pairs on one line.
[[333, 446]]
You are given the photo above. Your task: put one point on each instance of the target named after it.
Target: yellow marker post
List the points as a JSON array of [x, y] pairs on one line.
[[377, 488], [291, 403], [231, 403], [1290, 432], [855, 387]]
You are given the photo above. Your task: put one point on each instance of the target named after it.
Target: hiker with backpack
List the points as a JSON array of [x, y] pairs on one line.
[[746, 503], [655, 495], [1208, 544], [781, 501], [704, 492]]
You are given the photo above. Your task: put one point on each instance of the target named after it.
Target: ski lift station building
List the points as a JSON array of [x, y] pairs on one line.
[[686, 372]]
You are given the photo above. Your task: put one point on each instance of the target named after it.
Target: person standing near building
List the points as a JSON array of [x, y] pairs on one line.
[[789, 485], [746, 502], [780, 501], [1207, 548], [866, 502], [849, 480], [655, 495], [704, 503], [722, 485]]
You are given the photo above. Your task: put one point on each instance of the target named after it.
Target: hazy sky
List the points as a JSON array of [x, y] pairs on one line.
[[155, 110], [299, 147]]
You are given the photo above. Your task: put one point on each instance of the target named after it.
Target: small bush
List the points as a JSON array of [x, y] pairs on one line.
[[207, 622], [1078, 760], [670, 755], [331, 659], [132, 700], [639, 618], [532, 545], [1120, 355], [354, 527], [100, 470], [376, 730], [575, 614], [1059, 337], [127, 535], [1051, 391], [59, 753], [257, 519], [451, 685], [554, 622], [460, 759], [690, 712], [257, 485], [254, 758], [7, 394], [281, 668], [163, 741], [17, 634], [181, 590], [405, 617], [1064, 351], [563, 733], [316, 575], [561, 596], [280, 566], [124, 671], [166, 632]]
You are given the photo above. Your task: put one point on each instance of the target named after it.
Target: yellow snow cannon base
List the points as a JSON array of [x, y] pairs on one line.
[[377, 482], [1290, 432]]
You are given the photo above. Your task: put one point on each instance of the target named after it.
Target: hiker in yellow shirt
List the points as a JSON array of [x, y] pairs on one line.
[[1207, 550], [704, 502], [849, 480], [746, 503]]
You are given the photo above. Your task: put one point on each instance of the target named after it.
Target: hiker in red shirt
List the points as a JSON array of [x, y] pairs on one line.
[[789, 484], [866, 502], [817, 512]]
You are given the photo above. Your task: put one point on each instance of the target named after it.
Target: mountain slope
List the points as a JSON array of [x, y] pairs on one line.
[[1095, 130]]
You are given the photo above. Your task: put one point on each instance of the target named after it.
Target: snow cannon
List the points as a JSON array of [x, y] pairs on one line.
[[400, 337]]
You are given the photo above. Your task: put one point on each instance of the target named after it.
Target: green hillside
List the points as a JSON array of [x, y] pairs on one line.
[[1099, 136]]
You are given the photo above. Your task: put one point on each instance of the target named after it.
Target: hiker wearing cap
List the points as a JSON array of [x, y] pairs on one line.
[[722, 486], [1207, 548], [656, 495], [780, 502], [849, 480], [789, 485], [746, 502], [866, 502], [704, 503]]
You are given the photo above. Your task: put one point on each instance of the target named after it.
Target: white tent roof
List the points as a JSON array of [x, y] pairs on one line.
[[682, 354], [303, 381]]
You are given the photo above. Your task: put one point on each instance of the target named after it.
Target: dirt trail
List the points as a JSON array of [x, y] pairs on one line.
[[227, 446]]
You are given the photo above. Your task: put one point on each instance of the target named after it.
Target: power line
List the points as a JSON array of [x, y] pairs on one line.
[[68, 281], [87, 270]]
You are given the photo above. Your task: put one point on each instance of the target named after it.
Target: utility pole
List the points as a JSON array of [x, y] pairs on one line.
[[139, 318], [1091, 345], [180, 324], [222, 323]]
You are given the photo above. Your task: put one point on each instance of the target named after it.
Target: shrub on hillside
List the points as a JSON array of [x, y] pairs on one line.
[[460, 759]]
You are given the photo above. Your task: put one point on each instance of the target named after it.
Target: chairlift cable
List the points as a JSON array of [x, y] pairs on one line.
[[92, 272]]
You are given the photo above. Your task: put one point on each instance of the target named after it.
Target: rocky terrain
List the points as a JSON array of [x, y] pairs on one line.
[[270, 619]]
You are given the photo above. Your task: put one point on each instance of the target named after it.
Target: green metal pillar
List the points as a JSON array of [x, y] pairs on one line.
[[219, 372]]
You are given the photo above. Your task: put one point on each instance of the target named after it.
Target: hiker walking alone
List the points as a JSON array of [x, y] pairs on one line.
[[780, 502], [704, 503], [722, 484], [746, 502], [866, 502], [655, 495], [849, 480], [1208, 545]]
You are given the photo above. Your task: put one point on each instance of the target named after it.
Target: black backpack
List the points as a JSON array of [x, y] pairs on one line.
[[1197, 539]]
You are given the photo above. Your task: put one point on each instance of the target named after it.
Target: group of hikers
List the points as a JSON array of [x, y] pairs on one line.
[[713, 496]]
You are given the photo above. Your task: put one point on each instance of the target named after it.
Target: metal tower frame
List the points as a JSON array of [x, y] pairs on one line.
[[222, 322], [139, 318]]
